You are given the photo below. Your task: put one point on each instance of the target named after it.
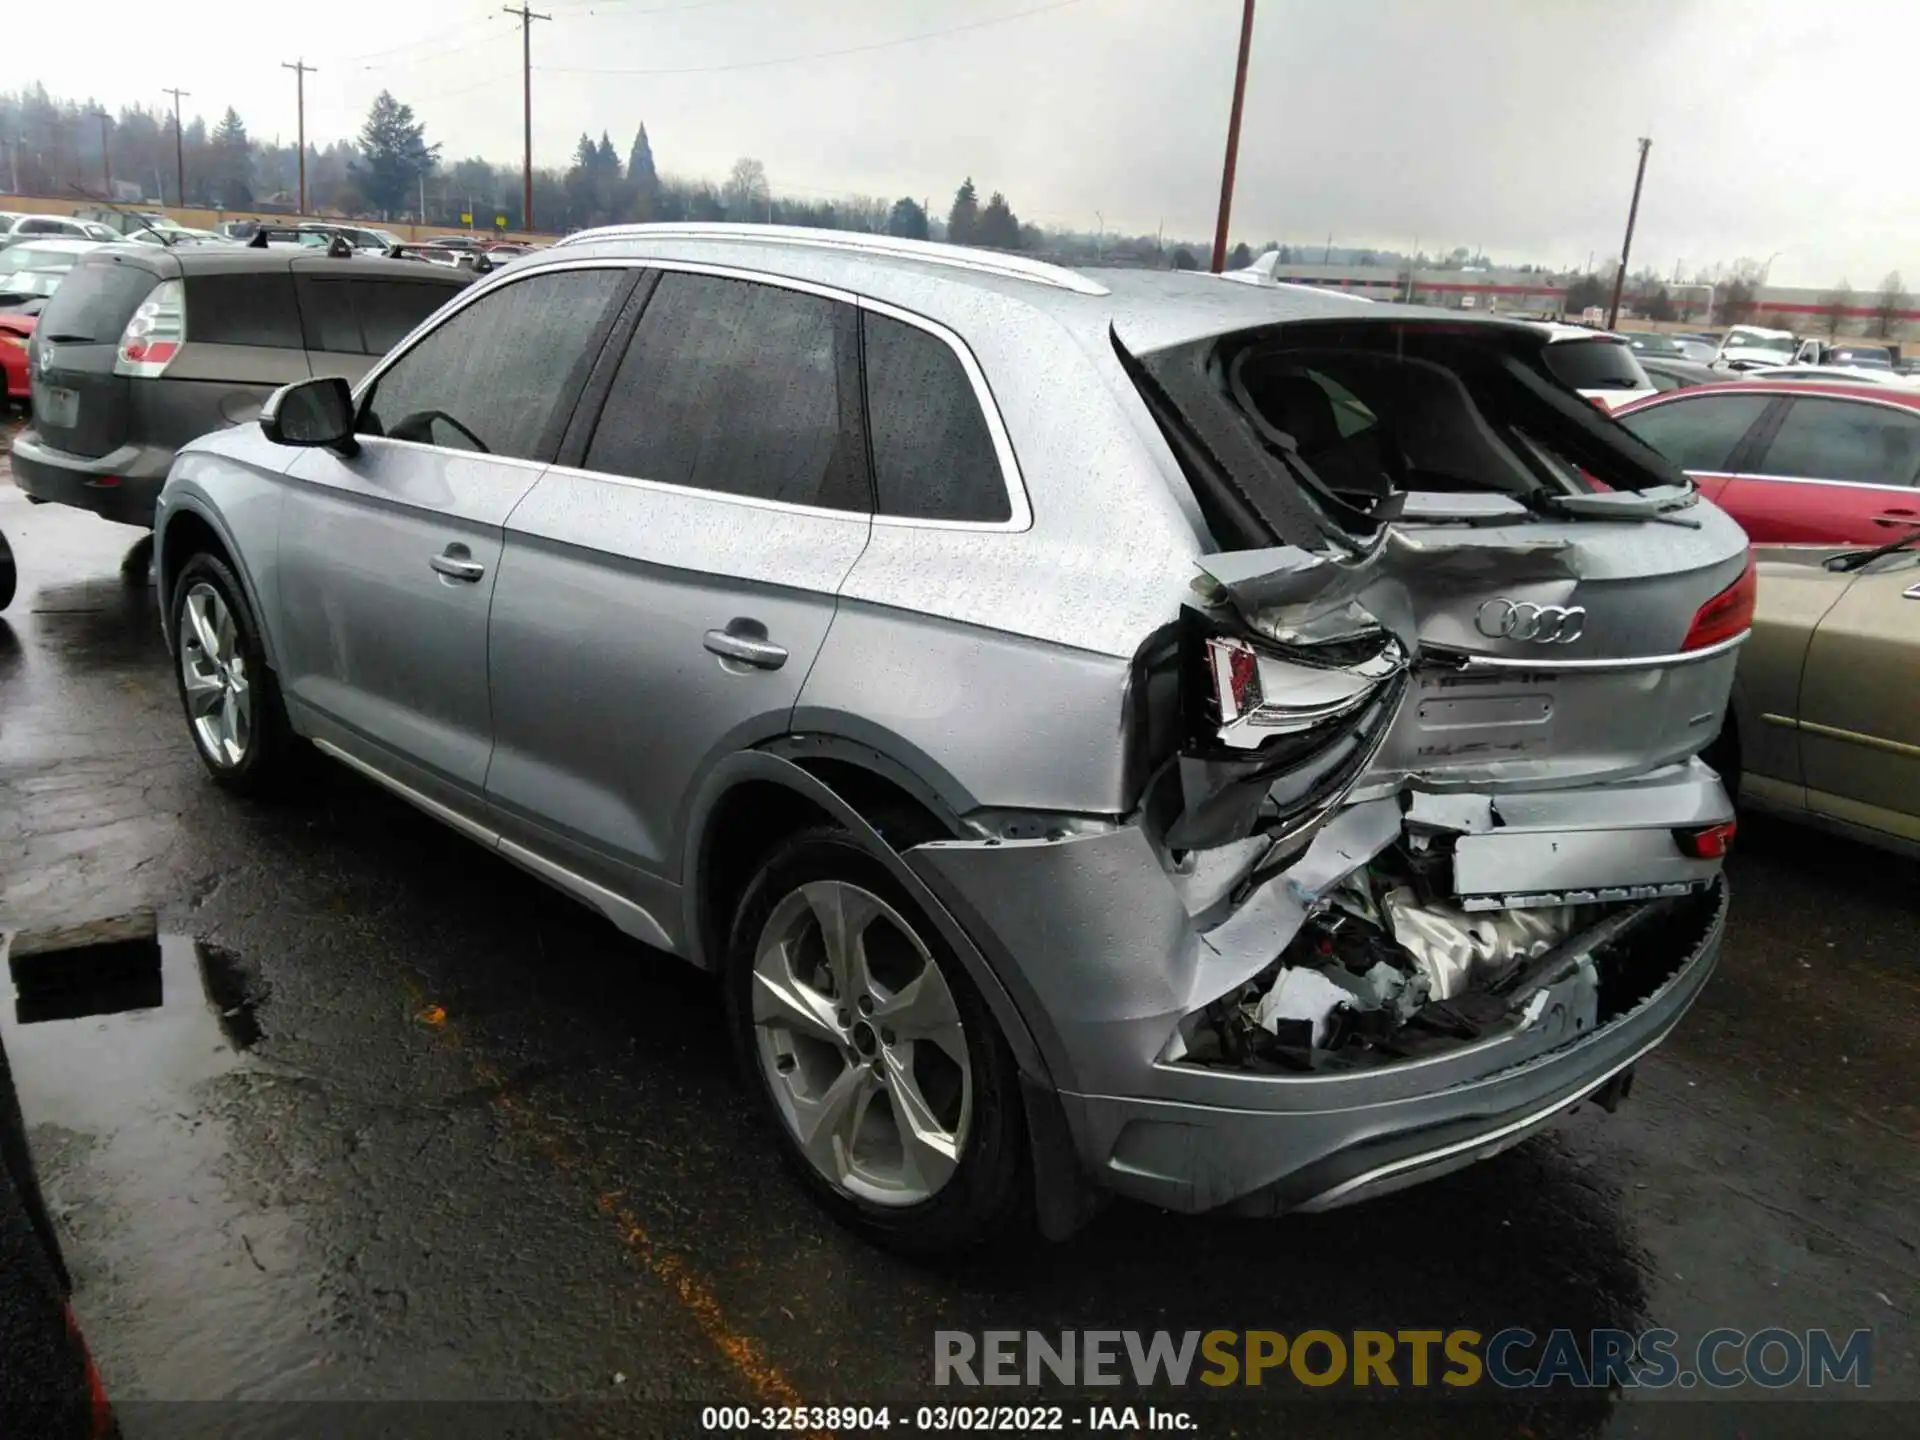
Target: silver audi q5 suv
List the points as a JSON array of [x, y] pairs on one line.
[[1119, 732]]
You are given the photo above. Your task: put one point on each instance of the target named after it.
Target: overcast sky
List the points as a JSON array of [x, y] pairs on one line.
[[1778, 125]]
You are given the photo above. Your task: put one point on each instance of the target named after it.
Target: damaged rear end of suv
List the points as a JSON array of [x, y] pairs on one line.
[[1422, 853]]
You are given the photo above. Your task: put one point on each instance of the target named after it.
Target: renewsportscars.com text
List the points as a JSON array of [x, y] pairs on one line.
[[1510, 1359]]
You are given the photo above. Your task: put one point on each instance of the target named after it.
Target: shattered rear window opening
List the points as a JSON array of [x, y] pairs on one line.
[[1309, 431]]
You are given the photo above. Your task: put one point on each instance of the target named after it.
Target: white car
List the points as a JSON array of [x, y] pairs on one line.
[[52, 227], [1839, 374], [1598, 363], [1748, 347]]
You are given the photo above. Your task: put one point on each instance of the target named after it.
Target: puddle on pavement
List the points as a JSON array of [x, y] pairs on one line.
[[116, 1035]]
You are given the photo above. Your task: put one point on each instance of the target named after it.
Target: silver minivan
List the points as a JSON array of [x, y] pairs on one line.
[[1111, 732]]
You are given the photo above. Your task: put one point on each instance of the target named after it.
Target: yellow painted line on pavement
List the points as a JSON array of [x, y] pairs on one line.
[[687, 1286]]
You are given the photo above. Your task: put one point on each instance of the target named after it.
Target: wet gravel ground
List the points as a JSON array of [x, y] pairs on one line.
[[408, 1126]]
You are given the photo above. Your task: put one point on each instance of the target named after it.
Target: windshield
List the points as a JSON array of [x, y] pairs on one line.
[[1869, 355], [1655, 344], [1758, 340], [1596, 365]]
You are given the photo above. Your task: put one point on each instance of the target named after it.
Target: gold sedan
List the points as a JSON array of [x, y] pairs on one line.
[[1825, 720]]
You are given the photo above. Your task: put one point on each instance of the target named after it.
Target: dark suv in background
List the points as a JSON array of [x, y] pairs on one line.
[[142, 349]]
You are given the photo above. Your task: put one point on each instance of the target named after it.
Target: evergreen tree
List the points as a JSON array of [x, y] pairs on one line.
[[999, 227], [907, 219], [963, 220], [397, 154]]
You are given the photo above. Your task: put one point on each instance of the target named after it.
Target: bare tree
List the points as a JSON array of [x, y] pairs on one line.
[[746, 194], [1889, 305], [1834, 306]]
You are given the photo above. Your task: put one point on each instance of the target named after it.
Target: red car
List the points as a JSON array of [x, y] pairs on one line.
[[15, 331], [1809, 462]]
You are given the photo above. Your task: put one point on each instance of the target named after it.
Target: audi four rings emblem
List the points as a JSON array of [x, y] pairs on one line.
[[1528, 623]]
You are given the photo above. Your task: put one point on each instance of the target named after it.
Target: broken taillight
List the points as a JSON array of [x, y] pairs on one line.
[[1711, 842], [1727, 614], [1236, 676]]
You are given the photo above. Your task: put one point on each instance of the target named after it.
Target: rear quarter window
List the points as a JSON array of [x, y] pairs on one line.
[[243, 309], [96, 300], [933, 456]]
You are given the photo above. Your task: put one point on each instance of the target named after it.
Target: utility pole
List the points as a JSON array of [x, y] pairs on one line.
[[1327, 258], [106, 162], [179, 151], [1626, 245], [1233, 139], [301, 70], [527, 17]]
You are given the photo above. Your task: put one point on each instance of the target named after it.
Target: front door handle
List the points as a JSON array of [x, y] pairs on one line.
[[1890, 518], [1912, 592], [456, 562], [746, 649]]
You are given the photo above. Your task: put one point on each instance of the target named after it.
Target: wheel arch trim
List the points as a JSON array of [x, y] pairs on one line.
[[749, 766], [183, 505]]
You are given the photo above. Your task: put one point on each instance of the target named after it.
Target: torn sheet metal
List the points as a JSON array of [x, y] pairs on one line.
[[1458, 951], [1300, 598], [1233, 952]]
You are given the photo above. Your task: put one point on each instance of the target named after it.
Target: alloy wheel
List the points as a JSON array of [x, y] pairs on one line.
[[213, 672], [861, 1044]]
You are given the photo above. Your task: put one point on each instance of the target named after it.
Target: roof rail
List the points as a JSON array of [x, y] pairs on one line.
[[961, 257]]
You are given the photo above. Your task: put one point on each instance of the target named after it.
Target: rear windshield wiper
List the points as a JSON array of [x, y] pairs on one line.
[[69, 340], [1863, 558]]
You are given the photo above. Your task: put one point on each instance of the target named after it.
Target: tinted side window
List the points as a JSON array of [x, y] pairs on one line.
[[933, 456], [243, 309], [1699, 433], [1845, 440], [96, 300], [740, 388], [326, 315], [389, 309], [495, 377]]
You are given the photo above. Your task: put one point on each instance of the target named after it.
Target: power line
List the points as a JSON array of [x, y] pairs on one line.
[[412, 61], [435, 39], [816, 55]]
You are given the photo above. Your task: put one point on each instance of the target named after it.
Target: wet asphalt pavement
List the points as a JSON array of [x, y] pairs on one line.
[[407, 1125]]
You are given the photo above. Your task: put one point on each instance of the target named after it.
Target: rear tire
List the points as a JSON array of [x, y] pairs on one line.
[[228, 693], [890, 1089]]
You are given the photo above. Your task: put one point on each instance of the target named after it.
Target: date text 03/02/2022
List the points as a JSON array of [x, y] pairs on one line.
[[1007, 1419]]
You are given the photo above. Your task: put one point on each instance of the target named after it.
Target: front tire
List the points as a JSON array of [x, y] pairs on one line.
[[229, 695], [892, 1094]]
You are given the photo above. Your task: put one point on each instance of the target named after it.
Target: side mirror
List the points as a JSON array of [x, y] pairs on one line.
[[311, 413]]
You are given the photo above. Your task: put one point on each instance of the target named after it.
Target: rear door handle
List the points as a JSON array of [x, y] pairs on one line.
[[456, 562], [752, 650], [1912, 592], [1891, 518]]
